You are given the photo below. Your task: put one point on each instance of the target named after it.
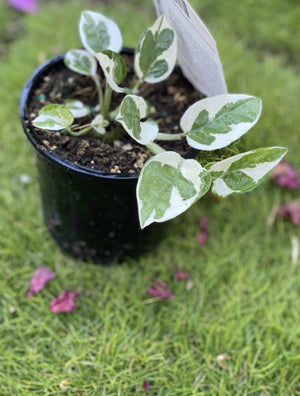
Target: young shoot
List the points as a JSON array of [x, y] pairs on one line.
[[168, 184]]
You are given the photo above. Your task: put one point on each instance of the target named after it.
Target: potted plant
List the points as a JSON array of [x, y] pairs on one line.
[[107, 101]]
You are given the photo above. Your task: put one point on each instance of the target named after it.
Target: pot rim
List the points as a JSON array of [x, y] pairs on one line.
[[52, 156]]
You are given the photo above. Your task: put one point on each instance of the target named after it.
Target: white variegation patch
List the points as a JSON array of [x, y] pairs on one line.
[[213, 105], [98, 32], [107, 64], [153, 196], [169, 55], [170, 158], [220, 188], [259, 170], [257, 164], [130, 116], [191, 169], [81, 61], [77, 108]]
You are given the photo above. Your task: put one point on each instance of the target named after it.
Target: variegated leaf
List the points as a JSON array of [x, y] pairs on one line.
[[98, 124], [157, 51], [168, 185], [244, 172], [54, 117], [81, 61], [114, 68], [217, 121], [132, 109], [98, 33], [77, 108]]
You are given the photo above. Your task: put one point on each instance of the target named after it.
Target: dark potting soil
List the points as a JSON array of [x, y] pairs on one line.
[[118, 153]]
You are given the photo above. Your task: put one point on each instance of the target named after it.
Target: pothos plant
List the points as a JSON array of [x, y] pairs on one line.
[[168, 184]]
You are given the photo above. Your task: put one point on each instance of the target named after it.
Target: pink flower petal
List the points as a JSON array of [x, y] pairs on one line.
[[202, 237], [160, 290], [203, 231], [65, 302], [286, 175], [41, 277], [146, 386], [24, 5], [291, 211], [181, 275]]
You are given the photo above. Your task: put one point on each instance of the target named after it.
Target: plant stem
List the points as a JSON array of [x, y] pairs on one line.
[[170, 136], [155, 148], [100, 93], [107, 101], [81, 132], [135, 89]]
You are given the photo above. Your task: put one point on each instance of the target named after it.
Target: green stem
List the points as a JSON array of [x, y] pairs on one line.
[[81, 132], [135, 89], [155, 148], [100, 93], [107, 101], [170, 136]]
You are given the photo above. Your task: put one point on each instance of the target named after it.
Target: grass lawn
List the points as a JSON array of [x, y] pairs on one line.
[[235, 330]]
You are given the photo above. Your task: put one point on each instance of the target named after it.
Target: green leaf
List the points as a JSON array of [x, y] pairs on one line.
[[81, 61], [54, 117], [156, 53], [132, 109], [168, 185], [217, 121], [98, 33], [244, 172], [114, 68], [77, 108]]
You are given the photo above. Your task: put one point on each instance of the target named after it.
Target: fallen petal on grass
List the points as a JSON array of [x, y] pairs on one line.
[[24, 5], [202, 237], [221, 359], [146, 386], [286, 175], [291, 211], [181, 275], [189, 284], [160, 291], [64, 385], [65, 302], [25, 179], [40, 278]]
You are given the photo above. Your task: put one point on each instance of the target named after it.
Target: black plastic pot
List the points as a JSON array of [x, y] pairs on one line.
[[92, 215]]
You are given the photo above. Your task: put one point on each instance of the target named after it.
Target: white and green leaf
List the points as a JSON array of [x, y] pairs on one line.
[[244, 172], [217, 121], [77, 108], [114, 68], [99, 124], [168, 185], [54, 117], [132, 110], [157, 51], [98, 33], [81, 61]]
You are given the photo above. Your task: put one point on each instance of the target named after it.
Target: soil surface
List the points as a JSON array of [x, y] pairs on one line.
[[118, 153]]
